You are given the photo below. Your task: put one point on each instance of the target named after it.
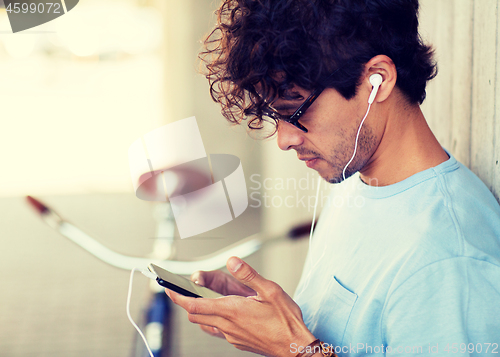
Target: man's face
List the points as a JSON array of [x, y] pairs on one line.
[[332, 123]]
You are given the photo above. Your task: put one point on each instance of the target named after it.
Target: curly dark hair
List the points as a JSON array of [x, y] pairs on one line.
[[261, 48]]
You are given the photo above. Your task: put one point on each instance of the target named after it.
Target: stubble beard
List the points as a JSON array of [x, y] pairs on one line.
[[366, 147]]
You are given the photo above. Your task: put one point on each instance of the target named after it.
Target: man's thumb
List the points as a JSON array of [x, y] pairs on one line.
[[245, 274]]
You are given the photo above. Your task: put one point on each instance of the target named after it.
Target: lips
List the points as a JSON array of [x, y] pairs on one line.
[[307, 158], [310, 161]]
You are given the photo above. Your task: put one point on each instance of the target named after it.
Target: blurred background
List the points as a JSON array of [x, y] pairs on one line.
[[76, 92]]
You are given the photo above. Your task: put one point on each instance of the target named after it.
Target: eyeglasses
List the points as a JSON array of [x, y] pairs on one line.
[[294, 118]]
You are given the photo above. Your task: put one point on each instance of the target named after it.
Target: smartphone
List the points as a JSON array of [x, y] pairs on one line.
[[180, 284]]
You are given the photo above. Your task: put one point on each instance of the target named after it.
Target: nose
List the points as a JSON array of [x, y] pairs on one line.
[[289, 135]]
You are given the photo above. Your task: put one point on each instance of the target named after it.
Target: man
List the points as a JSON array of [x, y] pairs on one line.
[[413, 270]]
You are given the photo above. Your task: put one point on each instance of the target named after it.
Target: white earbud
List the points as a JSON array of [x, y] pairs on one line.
[[375, 80]]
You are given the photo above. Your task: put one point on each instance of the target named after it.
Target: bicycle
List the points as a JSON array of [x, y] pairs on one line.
[[157, 320]]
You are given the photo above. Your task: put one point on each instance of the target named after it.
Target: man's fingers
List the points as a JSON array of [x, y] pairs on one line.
[[248, 276], [200, 306], [202, 311], [209, 320], [197, 278], [215, 280], [221, 282], [213, 331]]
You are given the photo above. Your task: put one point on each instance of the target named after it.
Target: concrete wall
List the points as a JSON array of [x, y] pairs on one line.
[[461, 102]]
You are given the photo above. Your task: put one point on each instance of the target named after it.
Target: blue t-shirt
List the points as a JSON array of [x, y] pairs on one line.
[[411, 268]]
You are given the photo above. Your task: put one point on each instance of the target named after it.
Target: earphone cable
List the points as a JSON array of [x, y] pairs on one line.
[[356, 143], [309, 253], [128, 311], [314, 217]]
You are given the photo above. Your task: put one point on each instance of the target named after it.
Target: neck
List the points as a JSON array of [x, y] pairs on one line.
[[407, 146]]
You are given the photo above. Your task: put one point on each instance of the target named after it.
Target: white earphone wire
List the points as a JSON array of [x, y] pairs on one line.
[[314, 215], [356, 143], [311, 267], [128, 311]]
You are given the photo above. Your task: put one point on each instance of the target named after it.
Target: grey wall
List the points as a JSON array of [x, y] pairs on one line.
[[461, 105]]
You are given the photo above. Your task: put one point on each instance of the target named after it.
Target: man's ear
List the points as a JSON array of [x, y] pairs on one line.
[[384, 66]]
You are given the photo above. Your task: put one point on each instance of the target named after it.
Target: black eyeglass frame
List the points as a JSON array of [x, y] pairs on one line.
[[294, 118]]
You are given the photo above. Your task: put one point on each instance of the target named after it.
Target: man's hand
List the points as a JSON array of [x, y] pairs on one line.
[[222, 283], [266, 323]]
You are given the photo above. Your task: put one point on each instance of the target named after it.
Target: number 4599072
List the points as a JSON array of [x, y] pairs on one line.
[[472, 348], [40, 8]]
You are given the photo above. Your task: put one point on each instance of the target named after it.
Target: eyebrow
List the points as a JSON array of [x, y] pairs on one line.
[[286, 106], [292, 95], [290, 101]]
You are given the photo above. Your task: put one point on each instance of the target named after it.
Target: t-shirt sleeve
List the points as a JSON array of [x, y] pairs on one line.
[[450, 307]]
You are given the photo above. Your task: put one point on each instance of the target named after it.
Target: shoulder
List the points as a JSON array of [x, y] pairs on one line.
[[465, 189], [455, 228], [454, 215], [473, 211]]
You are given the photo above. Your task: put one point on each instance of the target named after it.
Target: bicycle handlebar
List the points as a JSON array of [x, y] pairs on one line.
[[212, 261], [122, 261]]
